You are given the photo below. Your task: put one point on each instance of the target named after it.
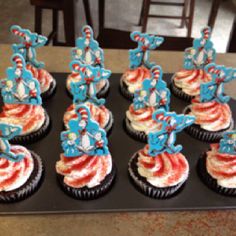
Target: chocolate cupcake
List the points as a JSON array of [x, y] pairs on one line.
[[216, 167], [186, 83], [21, 170], [85, 170], [28, 43], [140, 66], [153, 94], [159, 170], [22, 103]]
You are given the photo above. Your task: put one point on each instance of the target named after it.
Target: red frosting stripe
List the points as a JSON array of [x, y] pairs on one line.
[[84, 170], [44, 78], [15, 174]]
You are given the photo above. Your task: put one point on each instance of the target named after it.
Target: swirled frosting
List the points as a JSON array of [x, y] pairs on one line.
[[84, 171], [163, 170], [134, 78], [30, 117], [221, 166], [190, 80], [100, 114], [141, 119], [15, 174], [75, 77], [44, 78], [211, 116]]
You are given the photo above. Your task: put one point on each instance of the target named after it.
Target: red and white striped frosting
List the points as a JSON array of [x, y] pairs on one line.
[[141, 119], [75, 77], [100, 114], [163, 170], [221, 166], [134, 78], [44, 77], [30, 117], [15, 174], [84, 171], [190, 80], [211, 116]]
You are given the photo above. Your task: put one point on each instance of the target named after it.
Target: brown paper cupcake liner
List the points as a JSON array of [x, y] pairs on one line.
[[35, 136], [50, 92], [197, 132], [138, 135], [86, 193], [30, 187], [209, 181], [124, 91], [179, 93], [103, 93], [146, 188]]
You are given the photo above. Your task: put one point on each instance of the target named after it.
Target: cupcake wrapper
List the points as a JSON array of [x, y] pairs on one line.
[[51, 91], [103, 93], [143, 186], [179, 93], [86, 193], [124, 91], [35, 136], [203, 135], [138, 135], [210, 181], [31, 186]]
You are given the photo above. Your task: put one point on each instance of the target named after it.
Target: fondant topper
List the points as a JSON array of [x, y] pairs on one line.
[[85, 89], [84, 136], [28, 43], [154, 92], [140, 55], [164, 140], [8, 132], [87, 49], [20, 87], [214, 90], [228, 143], [202, 52]]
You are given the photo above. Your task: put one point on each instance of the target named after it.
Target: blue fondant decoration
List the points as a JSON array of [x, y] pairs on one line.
[[28, 43], [8, 132], [214, 90], [202, 52], [228, 143], [87, 49], [164, 140], [85, 89], [140, 55], [84, 136], [154, 92], [20, 87]]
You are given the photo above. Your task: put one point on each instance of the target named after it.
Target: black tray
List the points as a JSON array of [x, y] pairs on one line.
[[123, 196]]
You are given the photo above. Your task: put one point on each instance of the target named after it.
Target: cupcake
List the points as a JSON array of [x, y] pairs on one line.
[[85, 169], [28, 43], [140, 65], [186, 83], [159, 170], [213, 114], [88, 52], [84, 92], [154, 94], [21, 170], [22, 103], [216, 167]]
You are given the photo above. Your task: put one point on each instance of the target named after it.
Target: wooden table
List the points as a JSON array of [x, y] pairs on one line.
[[155, 223]]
